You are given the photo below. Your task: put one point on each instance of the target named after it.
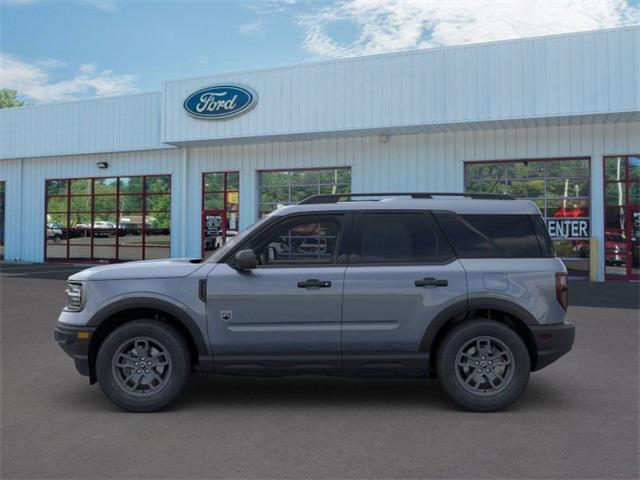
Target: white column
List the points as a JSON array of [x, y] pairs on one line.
[[597, 210], [184, 203], [248, 197]]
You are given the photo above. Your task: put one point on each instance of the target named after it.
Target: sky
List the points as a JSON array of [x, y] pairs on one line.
[[55, 50]]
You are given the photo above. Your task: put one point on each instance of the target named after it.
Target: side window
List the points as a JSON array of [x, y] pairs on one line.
[[543, 236], [308, 240], [401, 238], [514, 234], [491, 236], [468, 242]]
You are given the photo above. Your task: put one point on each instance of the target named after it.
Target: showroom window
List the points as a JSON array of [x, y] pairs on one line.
[[285, 187], [108, 219], [561, 189], [622, 217]]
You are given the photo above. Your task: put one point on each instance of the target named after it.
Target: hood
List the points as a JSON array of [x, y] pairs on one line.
[[164, 268]]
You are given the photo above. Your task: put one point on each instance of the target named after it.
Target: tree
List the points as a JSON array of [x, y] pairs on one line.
[[8, 98]]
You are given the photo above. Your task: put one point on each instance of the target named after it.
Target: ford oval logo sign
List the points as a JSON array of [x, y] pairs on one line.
[[220, 101]]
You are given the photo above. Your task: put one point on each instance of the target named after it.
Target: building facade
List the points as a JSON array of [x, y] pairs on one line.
[[176, 172]]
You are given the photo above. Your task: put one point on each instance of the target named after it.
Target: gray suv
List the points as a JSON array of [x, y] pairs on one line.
[[466, 288]]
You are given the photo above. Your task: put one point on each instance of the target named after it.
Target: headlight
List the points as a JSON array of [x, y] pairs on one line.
[[74, 297]]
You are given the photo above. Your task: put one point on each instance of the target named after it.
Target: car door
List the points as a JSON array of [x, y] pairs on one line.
[[285, 315], [401, 275]]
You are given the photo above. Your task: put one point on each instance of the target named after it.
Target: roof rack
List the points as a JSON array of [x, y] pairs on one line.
[[335, 198]]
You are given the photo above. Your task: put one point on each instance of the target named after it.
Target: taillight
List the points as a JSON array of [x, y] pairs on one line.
[[562, 289]]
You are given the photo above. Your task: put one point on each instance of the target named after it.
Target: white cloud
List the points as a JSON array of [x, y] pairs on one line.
[[389, 25], [255, 28], [104, 5], [34, 80]]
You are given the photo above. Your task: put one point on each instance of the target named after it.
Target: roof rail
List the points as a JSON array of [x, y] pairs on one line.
[[335, 198]]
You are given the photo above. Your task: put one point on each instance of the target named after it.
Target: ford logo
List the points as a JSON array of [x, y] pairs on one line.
[[220, 101]]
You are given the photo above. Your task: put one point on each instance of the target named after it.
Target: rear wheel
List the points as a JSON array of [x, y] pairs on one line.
[[143, 365], [483, 365]]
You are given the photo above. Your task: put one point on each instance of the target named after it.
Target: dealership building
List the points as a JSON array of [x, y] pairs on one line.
[[176, 172]]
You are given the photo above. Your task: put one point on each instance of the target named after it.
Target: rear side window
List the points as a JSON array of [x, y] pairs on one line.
[[468, 242], [483, 236], [546, 244], [400, 237]]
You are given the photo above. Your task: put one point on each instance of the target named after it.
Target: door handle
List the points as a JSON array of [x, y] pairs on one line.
[[313, 283], [431, 282]]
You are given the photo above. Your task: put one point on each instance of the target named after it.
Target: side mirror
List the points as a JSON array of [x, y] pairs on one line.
[[245, 260]]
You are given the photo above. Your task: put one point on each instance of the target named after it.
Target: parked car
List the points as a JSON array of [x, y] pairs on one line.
[[54, 232], [103, 228], [465, 288]]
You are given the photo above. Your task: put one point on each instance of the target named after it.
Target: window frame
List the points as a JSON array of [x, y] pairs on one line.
[[627, 208], [355, 253], [290, 185], [92, 213], [225, 211]]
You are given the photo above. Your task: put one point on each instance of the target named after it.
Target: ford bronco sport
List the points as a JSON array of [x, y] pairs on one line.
[[464, 287]]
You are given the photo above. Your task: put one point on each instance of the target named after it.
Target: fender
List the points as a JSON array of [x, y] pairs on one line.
[[205, 360], [465, 306]]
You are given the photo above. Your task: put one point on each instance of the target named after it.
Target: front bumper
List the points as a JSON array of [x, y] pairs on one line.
[[75, 342], [552, 342]]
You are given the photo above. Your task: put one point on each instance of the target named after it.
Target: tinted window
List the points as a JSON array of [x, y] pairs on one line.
[[512, 233], [401, 238], [492, 235], [305, 240], [544, 240], [468, 242]]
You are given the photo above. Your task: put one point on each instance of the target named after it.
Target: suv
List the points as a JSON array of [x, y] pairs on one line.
[[463, 287]]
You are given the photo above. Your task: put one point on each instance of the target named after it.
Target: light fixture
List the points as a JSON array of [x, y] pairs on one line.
[[102, 165]]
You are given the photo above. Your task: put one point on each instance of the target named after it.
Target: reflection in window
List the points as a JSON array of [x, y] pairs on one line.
[[300, 242], [279, 188], [220, 205], [622, 216], [108, 219]]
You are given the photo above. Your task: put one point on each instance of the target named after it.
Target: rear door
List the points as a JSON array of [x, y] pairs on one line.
[[401, 275]]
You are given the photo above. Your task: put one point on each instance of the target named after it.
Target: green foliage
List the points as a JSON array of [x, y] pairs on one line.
[[8, 98]]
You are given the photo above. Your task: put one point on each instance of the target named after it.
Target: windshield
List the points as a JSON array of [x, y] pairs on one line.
[[231, 242]]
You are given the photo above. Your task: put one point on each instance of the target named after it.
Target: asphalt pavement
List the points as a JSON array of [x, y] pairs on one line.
[[578, 418]]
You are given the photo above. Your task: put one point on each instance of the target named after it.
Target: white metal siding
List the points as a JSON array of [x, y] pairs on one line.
[[558, 76], [113, 124], [26, 192], [415, 162]]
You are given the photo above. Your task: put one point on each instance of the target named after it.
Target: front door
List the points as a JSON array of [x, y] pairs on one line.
[[285, 314], [214, 231], [220, 208], [402, 274]]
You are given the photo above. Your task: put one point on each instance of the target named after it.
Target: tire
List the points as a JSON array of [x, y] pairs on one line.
[[492, 348], [134, 384]]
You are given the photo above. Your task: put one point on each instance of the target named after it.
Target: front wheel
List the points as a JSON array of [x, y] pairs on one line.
[[483, 365], [143, 365]]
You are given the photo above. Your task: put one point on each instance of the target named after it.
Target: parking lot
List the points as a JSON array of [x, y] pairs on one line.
[[578, 418]]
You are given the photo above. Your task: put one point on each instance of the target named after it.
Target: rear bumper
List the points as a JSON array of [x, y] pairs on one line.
[[552, 342], [77, 347]]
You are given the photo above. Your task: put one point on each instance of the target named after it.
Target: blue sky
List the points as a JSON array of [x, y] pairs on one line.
[[63, 50]]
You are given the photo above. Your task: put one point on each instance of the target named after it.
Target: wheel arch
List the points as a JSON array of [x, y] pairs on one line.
[[127, 310], [503, 311]]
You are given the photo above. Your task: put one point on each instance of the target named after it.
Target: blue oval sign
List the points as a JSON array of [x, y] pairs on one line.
[[220, 101]]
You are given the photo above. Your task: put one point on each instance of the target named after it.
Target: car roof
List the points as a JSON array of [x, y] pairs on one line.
[[458, 204]]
